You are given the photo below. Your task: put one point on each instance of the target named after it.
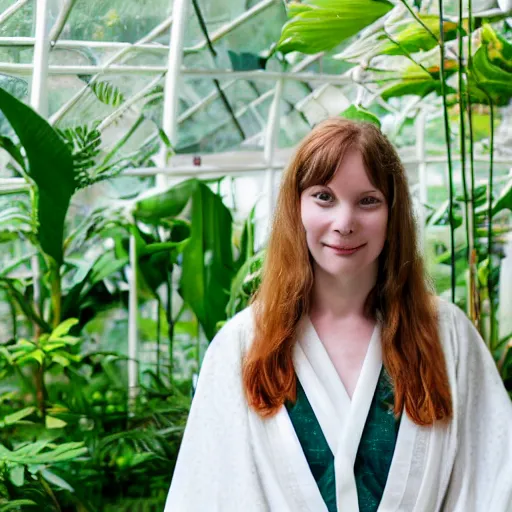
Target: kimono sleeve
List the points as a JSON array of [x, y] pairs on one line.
[[481, 478], [215, 469]]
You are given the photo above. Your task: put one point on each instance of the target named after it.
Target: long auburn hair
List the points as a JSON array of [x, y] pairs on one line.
[[412, 352]]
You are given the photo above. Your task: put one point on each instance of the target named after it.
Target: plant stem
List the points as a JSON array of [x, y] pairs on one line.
[[408, 55], [56, 293], [49, 491], [12, 308], [474, 302], [158, 328], [418, 19], [170, 322], [490, 282], [40, 390], [448, 149], [462, 92]]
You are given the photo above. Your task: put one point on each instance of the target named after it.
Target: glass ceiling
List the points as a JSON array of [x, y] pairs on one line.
[[107, 69]]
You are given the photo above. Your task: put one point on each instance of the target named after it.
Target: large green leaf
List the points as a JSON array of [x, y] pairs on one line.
[[412, 79], [207, 268], [156, 259], [499, 49], [409, 34], [51, 168], [360, 114], [319, 25], [169, 204], [30, 453], [491, 70], [504, 201], [207, 258]]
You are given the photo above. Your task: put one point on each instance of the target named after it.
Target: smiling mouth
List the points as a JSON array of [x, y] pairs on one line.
[[338, 248]]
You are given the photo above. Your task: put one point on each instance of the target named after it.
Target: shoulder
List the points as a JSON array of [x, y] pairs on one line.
[[235, 335], [461, 340]]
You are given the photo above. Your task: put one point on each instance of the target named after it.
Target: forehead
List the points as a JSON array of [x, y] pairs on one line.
[[351, 172], [347, 173]]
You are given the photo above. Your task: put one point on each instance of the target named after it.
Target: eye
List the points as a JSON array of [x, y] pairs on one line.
[[369, 201], [323, 196]]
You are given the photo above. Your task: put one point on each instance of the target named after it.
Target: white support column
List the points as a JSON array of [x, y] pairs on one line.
[[39, 91], [39, 101], [172, 78], [271, 138], [133, 381]]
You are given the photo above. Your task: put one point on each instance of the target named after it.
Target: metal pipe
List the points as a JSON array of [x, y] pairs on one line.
[[39, 69], [172, 79], [14, 8], [26, 69], [39, 102], [271, 138], [70, 44]]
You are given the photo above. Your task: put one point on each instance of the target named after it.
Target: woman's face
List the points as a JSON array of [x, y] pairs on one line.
[[345, 221]]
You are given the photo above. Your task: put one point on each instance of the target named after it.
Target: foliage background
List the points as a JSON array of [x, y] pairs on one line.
[[86, 227]]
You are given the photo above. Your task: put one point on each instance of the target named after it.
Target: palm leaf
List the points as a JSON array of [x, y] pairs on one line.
[[107, 93]]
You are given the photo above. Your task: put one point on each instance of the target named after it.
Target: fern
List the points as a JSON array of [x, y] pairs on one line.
[[108, 93], [83, 142]]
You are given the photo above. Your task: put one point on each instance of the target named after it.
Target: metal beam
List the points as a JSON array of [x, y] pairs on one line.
[[271, 138], [26, 69], [14, 8]]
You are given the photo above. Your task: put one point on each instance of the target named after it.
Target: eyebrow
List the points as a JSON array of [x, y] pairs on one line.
[[372, 191]]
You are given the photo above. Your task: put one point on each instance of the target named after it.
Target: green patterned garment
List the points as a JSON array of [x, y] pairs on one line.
[[374, 454]]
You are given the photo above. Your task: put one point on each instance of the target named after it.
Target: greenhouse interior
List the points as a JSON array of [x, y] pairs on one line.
[[143, 145]]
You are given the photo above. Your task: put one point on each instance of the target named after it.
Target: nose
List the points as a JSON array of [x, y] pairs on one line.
[[344, 220]]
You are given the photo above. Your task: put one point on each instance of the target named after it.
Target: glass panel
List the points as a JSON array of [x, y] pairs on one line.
[[253, 35], [21, 23], [214, 125], [115, 20]]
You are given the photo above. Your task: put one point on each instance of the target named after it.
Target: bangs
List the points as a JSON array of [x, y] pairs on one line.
[[320, 154], [322, 157]]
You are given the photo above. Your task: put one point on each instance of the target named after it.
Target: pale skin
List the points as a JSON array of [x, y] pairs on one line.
[[345, 223]]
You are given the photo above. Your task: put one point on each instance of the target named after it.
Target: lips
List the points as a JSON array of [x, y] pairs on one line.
[[345, 250]]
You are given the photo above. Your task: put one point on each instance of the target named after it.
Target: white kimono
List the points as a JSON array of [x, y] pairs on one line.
[[232, 460]]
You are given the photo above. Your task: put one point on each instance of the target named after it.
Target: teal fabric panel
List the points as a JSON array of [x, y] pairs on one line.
[[314, 445], [374, 454]]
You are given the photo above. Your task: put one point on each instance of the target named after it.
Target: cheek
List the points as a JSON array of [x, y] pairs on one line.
[[378, 225], [311, 220]]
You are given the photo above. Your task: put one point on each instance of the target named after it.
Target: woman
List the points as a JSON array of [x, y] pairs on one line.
[[346, 386]]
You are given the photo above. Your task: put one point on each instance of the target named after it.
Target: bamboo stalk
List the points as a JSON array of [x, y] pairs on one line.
[[474, 299], [462, 92], [448, 149], [490, 282]]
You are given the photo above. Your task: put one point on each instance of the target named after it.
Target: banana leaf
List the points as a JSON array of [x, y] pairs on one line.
[[319, 25], [50, 165], [409, 34]]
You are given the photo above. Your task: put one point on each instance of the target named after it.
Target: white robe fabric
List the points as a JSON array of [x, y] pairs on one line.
[[231, 460]]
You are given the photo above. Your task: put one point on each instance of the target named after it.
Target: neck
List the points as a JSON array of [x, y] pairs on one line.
[[341, 297]]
